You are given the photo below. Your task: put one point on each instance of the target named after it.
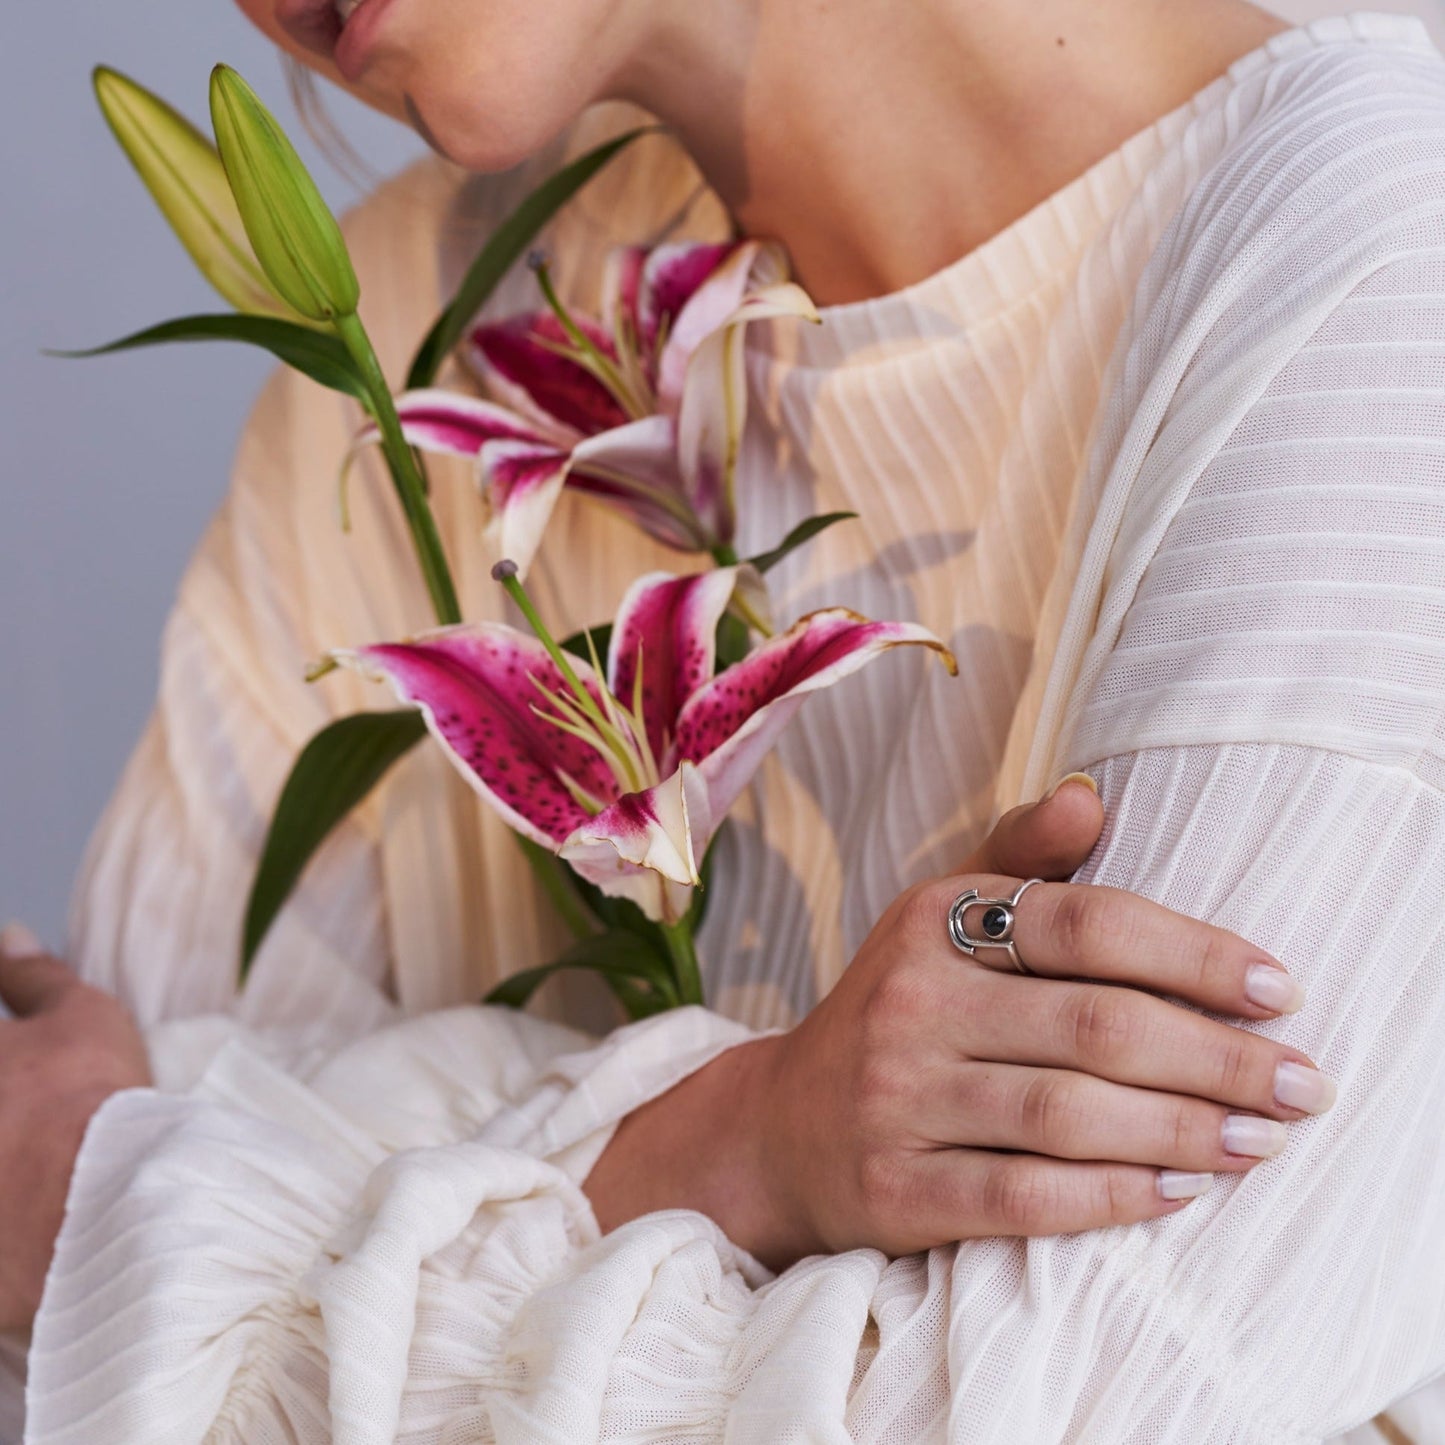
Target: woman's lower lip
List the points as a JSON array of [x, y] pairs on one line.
[[315, 25], [353, 46]]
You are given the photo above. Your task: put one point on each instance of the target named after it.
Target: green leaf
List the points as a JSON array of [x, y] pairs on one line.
[[702, 894], [601, 636], [334, 772], [558, 882], [637, 973], [732, 640], [320, 356], [501, 251], [803, 532]]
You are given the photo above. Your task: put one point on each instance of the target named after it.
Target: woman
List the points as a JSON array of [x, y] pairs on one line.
[[1207, 570]]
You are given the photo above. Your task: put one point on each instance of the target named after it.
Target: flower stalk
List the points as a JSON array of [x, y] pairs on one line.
[[405, 474], [682, 948]]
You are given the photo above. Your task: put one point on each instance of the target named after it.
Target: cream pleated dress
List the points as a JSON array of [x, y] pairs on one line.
[[1164, 464]]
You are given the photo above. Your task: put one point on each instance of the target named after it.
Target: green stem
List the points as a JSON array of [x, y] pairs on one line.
[[683, 948], [552, 875], [410, 488], [725, 556]]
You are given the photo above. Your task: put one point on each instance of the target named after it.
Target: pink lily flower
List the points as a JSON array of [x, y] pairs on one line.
[[626, 778], [643, 409]]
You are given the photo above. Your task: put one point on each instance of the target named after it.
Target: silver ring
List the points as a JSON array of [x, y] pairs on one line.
[[998, 924]]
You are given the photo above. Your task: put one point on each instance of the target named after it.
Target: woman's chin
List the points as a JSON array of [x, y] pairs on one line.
[[479, 138]]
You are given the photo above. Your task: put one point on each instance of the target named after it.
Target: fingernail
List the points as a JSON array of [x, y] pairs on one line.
[[1273, 988], [17, 941], [1254, 1138], [1178, 1184], [1297, 1086], [1083, 778]]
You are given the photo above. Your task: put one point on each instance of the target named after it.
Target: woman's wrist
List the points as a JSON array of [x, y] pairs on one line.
[[708, 1144]]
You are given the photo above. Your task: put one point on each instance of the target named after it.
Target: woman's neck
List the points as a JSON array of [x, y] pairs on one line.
[[880, 142]]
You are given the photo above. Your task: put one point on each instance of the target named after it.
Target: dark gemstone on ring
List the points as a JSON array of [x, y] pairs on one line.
[[996, 922]]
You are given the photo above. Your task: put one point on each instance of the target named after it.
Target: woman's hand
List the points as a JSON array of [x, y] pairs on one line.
[[67, 1049], [932, 1098]]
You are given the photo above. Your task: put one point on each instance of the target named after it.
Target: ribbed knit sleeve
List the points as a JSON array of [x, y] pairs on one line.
[[1267, 728], [1302, 1298]]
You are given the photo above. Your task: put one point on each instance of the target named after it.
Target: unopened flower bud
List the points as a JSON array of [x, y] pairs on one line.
[[295, 237], [183, 172]]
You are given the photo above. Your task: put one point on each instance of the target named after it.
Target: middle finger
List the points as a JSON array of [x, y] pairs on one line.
[[1131, 1037]]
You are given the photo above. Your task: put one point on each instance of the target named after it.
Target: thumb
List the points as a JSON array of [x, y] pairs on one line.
[[1049, 839], [31, 981]]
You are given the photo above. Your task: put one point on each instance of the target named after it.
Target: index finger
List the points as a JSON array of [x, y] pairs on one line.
[[1074, 930]]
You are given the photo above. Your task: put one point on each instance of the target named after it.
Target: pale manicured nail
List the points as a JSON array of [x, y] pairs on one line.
[[1083, 778], [1179, 1184], [1297, 1086], [1254, 1138], [18, 941], [1273, 988]]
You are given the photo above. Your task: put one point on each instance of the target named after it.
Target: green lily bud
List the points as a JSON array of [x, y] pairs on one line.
[[183, 172], [295, 237]]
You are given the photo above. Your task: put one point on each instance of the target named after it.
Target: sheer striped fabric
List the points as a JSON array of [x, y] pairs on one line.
[[1164, 462]]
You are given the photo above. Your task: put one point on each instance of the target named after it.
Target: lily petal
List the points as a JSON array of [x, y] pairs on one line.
[[520, 470], [520, 354], [714, 296], [646, 845], [714, 405], [522, 481], [634, 468], [668, 626], [475, 686], [686, 289], [728, 727], [444, 421]]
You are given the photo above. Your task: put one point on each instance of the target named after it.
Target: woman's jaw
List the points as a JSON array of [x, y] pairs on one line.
[[487, 84]]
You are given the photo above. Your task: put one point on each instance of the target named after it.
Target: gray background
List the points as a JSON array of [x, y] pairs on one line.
[[111, 467]]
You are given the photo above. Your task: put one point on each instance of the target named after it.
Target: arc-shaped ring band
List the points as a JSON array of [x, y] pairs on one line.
[[998, 923]]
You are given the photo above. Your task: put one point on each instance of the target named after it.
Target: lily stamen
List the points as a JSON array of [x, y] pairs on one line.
[[585, 352]]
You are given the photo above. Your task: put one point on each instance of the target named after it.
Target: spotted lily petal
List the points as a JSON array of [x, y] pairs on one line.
[[667, 629], [728, 726], [646, 845], [714, 406], [517, 358], [477, 687]]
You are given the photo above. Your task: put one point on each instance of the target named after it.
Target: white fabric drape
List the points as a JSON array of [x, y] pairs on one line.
[[1239, 627]]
